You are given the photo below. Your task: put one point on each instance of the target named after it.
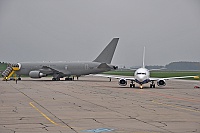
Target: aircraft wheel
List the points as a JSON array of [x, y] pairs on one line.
[[152, 86], [19, 78], [132, 85], [68, 79], [56, 79]]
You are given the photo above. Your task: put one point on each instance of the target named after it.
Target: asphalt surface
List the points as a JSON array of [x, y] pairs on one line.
[[93, 104]]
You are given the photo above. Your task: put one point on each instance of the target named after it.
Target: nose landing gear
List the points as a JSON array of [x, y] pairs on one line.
[[141, 87]]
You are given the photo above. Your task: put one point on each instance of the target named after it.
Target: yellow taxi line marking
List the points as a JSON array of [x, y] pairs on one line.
[[176, 106], [45, 116]]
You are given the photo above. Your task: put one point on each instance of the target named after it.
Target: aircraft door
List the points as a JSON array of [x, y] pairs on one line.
[[86, 67]]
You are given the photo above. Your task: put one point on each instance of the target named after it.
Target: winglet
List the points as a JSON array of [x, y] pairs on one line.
[[107, 54]]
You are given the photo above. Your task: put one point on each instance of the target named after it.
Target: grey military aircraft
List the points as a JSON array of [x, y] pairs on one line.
[[66, 69]]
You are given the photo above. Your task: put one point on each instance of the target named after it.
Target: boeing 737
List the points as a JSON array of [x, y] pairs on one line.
[[66, 69], [142, 76]]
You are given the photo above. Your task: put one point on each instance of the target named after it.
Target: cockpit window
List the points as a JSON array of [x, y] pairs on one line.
[[141, 73]]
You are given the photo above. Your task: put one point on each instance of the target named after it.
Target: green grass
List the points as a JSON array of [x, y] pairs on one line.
[[158, 74], [3, 66]]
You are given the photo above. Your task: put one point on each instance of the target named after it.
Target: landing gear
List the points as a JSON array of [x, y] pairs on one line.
[[56, 79], [68, 79], [141, 87], [152, 85], [71, 78], [19, 78], [132, 85]]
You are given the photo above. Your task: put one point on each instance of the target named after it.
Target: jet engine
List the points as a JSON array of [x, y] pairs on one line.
[[122, 82], [161, 82], [36, 74], [115, 67]]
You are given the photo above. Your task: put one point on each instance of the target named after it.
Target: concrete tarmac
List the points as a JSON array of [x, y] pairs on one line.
[[93, 104]]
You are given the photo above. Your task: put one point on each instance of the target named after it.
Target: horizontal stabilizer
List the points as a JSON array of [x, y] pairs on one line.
[[158, 69], [103, 65]]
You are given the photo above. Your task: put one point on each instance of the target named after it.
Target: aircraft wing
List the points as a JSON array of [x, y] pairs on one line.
[[155, 79], [158, 69], [50, 70], [133, 79], [115, 76]]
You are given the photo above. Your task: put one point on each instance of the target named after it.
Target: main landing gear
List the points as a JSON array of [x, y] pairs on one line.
[[55, 79], [66, 79], [69, 79], [132, 85], [152, 85]]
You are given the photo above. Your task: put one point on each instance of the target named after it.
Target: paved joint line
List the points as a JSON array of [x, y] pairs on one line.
[[44, 108], [45, 116], [176, 106]]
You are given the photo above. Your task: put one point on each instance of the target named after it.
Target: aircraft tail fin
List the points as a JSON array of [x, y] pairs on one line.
[[143, 64], [107, 54]]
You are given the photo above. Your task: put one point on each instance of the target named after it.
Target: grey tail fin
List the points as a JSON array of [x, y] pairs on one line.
[[107, 54]]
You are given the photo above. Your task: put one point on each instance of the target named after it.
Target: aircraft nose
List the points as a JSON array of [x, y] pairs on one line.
[[141, 78]]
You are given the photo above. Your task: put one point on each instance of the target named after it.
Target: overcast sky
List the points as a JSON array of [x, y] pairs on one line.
[[78, 30]]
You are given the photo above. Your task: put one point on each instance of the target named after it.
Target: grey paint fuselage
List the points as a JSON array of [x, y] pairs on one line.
[[64, 68]]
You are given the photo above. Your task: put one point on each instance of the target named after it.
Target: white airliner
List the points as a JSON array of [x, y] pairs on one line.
[[142, 76]]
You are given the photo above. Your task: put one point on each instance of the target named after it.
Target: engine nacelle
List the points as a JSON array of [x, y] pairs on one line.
[[161, 82], [122, 82], [115, 67], [36, 74]]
